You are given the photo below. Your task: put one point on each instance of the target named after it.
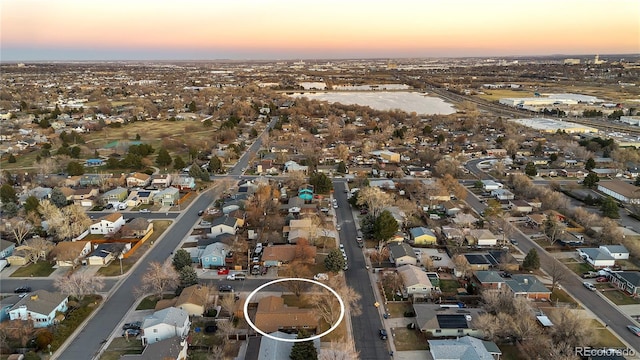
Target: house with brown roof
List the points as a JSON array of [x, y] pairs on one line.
[[161, 180], [272, 315], [116, 180], [85, 196], [67, 192], [107, 224], [70, 253], [621, 191], [193, 300], [281, 254], [136, 228], [138, 179]]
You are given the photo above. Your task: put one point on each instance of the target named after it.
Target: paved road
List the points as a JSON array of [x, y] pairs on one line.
[[365, 326], [593, 301], [88, 342]]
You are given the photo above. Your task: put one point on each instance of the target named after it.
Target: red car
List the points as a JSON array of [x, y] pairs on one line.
[[602, 279], [223, 271]]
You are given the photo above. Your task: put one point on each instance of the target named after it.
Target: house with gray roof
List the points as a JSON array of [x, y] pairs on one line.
[[401, 254], [416, 282], [434, 320], [224, 225], [464, 348], [40, 306], [627, 281], [6, 248], [597, 257], [528, 286], [618, 252], [164, 324], [264, 348]]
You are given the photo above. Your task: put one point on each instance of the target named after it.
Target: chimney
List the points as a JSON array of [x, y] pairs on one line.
[[526, 281]]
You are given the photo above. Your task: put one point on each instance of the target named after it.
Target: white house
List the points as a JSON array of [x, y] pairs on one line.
[[620, 190], [502, 194], [164, 324], [597, 257], [618, 252], [489, 185], [224, 225], [483, 237], [40, 306], [107, 224]]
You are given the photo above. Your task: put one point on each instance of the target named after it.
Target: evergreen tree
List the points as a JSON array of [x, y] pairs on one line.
[[75, 152], [531, 261], [334, 261], [609, 208], [637, 181], [188, 277], [178, 163], [9, 210], [163, 159], [321, 183], [385, 226], [57, 198], [181, 259], [590, 180], [8, 194], [215, 164], [342, 168], [12, 159], [530, 169], [590, 164], [74, 168], [304, 350], [31, 204]]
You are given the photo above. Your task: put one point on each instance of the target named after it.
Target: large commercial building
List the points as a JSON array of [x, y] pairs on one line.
[[620, 190], [552, 126]]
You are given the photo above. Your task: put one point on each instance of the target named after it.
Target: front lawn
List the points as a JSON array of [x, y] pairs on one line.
[[121, 346], [618, 297], [603, 338], [560, 296], [39, 269], [408, 340], [149, 303], [577, 266], [450, 286], [397, 309]]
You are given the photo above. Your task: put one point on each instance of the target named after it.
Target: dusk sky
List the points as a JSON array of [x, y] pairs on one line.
[[34, 30]]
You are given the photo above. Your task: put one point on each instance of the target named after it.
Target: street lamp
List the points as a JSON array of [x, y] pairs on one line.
[[120, 258]]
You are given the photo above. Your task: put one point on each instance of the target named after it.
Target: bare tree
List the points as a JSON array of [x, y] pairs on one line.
[[379, 255], [610, 232], [21, 330], [228, 303], [427, 261], [570, 329], [77, 220], [393, 281], [461, 265], [296, 270], [20, 229], [558, 273], [36, 248], [375, 199], [159, 278], [339, 350], [453, 186], [584, 217], [79, 284], [327, 305]]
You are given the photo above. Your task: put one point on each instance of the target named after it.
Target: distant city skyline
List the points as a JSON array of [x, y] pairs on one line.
[[67, 30]]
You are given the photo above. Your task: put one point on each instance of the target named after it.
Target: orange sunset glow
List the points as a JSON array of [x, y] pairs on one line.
[[63, 29]]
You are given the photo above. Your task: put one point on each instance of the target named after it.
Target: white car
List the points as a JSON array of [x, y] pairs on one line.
[[338, 227], [320, 277], [145, 210], [236, 276], [342, 247]]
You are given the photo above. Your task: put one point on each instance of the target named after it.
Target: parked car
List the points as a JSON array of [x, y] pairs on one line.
[[513, 241], [602, 279], [338, 227], [436, 258], [589, 286], [132, 325], [22, 290], [383, 334], [320, 276], [238, 276], [255, 270], [589, 275], [634, 329], [225, 288], [200, 212], [131, 332], [109, 206], [223, 271], [145, 210]]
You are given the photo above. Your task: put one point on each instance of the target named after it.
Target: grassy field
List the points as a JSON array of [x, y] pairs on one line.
[[562, 297], [39, 269], [22, 161], [495, 95], [113, 268], [603, 337], [121, 346], [149, 303], [618, 297], [397, 310], [407, 340]]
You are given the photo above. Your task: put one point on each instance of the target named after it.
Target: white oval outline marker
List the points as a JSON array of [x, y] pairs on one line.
[[311, 338]]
